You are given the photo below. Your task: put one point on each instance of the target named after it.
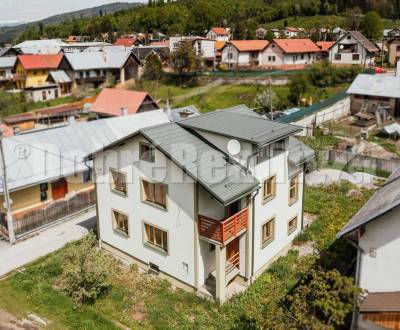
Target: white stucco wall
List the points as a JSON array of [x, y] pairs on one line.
[[177, 219], [380, 262], [347, 58]]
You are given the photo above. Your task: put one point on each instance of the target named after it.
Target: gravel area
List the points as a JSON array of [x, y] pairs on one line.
[[329, 176]]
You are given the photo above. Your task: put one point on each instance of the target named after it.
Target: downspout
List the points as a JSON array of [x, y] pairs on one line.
[[252, 234], [94, 176], [354, 319], [302, 197]]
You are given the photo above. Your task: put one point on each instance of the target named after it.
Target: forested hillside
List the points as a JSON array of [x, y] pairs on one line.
[[196, 16]]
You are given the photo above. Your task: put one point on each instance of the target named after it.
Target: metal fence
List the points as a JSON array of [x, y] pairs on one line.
[[358, 162], [47, 214]]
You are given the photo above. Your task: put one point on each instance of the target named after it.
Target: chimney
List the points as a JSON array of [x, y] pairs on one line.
[[167, 111], [124, 111]]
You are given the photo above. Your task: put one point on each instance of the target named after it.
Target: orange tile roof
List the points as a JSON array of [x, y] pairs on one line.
[[111, 100], [164, 43], [48, 61], [297, 45], [325, 45], [219, 45], [249, 45], [292, 29], [127, 42], [220, 31]]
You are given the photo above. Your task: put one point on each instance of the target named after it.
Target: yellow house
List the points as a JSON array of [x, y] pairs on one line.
[[33, 70]]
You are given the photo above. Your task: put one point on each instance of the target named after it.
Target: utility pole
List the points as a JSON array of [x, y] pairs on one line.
[[7, 199], [270, 98]]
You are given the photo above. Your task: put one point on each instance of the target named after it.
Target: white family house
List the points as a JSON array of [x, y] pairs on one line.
[[375, 229], [205, 201], [218, 34], [353, 48], [244, 53], [203, 47], [287, 53]]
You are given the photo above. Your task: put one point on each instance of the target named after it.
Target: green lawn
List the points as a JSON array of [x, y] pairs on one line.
[[138, 300]]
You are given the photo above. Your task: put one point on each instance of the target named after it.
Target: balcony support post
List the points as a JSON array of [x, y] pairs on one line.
[[220, 263]]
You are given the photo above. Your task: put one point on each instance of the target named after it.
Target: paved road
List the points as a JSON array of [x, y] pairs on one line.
[[47, 241]]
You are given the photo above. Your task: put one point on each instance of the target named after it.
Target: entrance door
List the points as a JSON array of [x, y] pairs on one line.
[[233, 253], [232, 209], [59, 188]]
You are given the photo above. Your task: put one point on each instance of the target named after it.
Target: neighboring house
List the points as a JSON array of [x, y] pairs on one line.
[[290, 53], [95, 67], [375, 98], [391, 33], [203, 47], [7, 65], [33, 70], [173, 200], [290, 32], [126, 42], [142, 52], [353, 48], [375, 229], [276, 32], [47, 176], [394, 50], [219, 45], [244, 53], [218, 34], [8, 51], [62, 80], [82, 46], [46, 46], [261, 33], [113, 102], [324, 47]]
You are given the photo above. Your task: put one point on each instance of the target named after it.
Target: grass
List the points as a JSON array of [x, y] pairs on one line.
[[138, 300], [388, 144], [216, 95]]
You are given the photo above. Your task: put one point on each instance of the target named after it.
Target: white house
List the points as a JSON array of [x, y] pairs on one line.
[[203, 201], [291, 32], [287, 53], [203, 47], [218, 34], [375, 229], [353, 48], [7, 65], [244, 53]]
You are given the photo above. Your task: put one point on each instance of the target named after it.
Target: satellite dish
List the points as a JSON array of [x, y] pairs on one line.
[[341, 46], [234, 147]]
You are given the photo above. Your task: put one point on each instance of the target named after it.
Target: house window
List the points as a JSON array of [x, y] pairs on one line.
[[356, 57], [268, 234], [397, 48], [230, 56], [156, 237], [118, 182], [120, 222], [294, 190], [87, 176], [44, 96], [271, 58], [292, 225], [269, 189], [155, 193], [302, 56], [146, 152], [338, 57]]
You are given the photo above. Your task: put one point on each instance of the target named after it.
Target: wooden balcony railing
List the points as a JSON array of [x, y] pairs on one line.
[[221, 231]]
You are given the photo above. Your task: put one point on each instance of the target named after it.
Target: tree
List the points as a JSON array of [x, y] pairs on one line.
[[299, 85], [184, 59], [321, 302], [264, 101], [371, 26], [353, 18], [153, 67]]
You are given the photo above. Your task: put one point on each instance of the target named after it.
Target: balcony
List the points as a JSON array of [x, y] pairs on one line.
[[222, 230]]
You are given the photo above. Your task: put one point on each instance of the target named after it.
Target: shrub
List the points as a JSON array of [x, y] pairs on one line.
[[86, 271]]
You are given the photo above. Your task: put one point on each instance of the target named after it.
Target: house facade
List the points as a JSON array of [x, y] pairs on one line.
[[353, 48], [218, 34], [375, 230], [394, 50], [7, 65], [244, 53], [203, 47], [173, 199], [287, 53]]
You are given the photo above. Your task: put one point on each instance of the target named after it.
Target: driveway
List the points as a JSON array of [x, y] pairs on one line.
[[45, 242]]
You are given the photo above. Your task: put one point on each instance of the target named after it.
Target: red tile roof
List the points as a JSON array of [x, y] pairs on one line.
[[7, 130], [111, 100], [164, 43], [325, 45], [127, 42], [297, 45], [220, 31], [249, 45], [292, 29], [32, 62]]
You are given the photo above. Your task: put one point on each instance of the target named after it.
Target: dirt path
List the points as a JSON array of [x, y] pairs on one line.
[[10, 322], [198, 91]]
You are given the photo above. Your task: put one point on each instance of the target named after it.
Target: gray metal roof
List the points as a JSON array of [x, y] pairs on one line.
[[376, 85], [240, 125], [225, 180], [299, 153], [45, 155], [178, 114], [97, 60], [7, 61], [60, 76], [384, 200]]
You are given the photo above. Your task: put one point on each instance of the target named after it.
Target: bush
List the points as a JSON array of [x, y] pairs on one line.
[[86, 271]]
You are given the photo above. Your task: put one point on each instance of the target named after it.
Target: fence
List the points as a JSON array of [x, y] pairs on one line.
[[25, 222], [357, 162]]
